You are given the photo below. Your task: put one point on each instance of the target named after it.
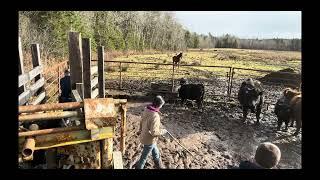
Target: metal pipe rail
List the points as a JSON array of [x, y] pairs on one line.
[[167, 64], [50, 116], [50, 131], [50, 107], [58, 106]]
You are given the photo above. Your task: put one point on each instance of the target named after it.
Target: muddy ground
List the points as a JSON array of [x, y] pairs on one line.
[[216, 137]]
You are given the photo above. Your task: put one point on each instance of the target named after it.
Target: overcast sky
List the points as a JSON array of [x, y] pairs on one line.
[[244, 24]]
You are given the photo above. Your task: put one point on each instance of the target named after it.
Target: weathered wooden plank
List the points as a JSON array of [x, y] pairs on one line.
[[106, 153], [26, 77], [76, 96], [39, 98], [23, 79], [86, 51], [24, 97], [34, 72], [94, 70], [95, 93], [117, 160], [101, 74], [21, 68], [79, 88], [34, 88], [47, 141], [35, 52], [94, 82], [75, 58]]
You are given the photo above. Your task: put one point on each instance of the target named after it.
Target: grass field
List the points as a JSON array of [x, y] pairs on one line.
[[241, 58]]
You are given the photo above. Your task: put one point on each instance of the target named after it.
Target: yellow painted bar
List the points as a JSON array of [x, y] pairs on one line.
[[68, 138]]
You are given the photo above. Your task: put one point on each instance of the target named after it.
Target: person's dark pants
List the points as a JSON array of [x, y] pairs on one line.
[[64, 99]]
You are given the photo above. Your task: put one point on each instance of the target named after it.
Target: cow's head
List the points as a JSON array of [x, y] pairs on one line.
[[289, 93], [183, 81], [251, 92]]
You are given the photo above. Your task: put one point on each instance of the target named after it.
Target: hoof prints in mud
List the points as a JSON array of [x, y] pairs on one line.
[[217, 139]]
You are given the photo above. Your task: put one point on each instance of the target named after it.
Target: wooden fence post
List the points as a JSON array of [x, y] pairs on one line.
[[106, 153], [120, 85], [36, 61], [86, 50], [59, 79], [21, 67], [229, 79], [123, 127], [172, 85], [75, 58], [79, 88], [101, 75]]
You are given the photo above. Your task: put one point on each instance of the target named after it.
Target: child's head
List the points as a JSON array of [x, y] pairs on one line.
[[267, 155], [158, 102]]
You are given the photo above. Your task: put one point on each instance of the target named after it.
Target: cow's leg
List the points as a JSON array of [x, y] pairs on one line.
[[200, 104], [182, 101], [279, 124], [298, 124], [245, 113], [287, 124], [258, 112], [292, 121]]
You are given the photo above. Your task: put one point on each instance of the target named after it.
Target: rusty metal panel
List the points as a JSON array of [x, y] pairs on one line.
[[99, 113]]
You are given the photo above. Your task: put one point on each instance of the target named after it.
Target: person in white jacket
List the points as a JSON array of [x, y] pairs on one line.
[[149, 133]]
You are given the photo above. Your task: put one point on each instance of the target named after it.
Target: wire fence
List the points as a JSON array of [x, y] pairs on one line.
[[221, 82]]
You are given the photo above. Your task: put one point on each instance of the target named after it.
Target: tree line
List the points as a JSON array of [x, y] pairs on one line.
[[229, 41], [127, 30]]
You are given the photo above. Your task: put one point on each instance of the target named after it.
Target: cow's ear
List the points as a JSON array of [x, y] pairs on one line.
[[260, 93]]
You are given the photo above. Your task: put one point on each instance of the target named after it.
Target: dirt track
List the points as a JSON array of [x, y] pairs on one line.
[[216, 137]]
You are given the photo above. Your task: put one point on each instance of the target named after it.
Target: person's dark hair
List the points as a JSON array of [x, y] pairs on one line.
[[67, 72], [158, 101]]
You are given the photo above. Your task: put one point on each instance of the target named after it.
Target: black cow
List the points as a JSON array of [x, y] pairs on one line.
[[283, 112], [191, 92], [250, 97]]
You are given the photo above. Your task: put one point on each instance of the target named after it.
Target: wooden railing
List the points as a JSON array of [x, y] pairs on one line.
[[44, 82], [26, 94]]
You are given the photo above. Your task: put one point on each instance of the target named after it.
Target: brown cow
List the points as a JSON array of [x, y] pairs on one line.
[[294, 98], [176, 59]]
